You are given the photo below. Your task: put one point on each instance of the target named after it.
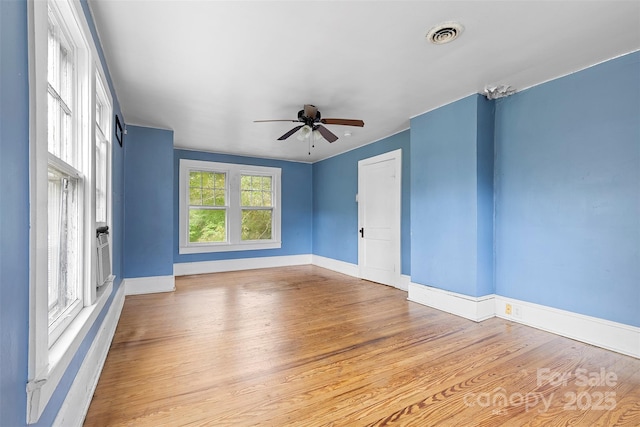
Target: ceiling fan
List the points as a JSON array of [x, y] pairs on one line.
[[312, 123]]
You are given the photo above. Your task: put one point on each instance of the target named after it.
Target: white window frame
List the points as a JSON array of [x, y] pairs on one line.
[[50, 356], [234, 210]]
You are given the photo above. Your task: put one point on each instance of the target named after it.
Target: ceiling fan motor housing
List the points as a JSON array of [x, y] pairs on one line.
[[308, 120]]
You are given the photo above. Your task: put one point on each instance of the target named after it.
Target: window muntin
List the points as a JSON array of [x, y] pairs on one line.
[[228, 207]]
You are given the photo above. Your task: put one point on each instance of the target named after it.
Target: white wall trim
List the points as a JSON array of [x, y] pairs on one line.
[[76, 404], [403, 285], [472, 308], [336, 265], [603, 333], [149, 285], [354, 270], [618, 337], [205, 267], [59, 356]]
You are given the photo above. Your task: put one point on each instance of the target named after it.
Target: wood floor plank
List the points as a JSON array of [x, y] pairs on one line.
[[304, 346]]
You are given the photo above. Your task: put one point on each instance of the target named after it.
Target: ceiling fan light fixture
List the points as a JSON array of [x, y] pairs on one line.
[[445, 32], [317, 136], [305, 132]]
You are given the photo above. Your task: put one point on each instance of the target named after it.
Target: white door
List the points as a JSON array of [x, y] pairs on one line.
[[379, 201]]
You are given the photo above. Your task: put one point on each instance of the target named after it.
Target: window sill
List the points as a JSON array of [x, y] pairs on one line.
[[225, 247], [41, 388]]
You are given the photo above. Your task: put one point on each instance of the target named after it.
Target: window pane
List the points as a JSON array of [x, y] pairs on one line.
[[53, 128], [207, 197], [101, 178], [256, 224], [245, 198], [266, 183], [207, 225], [195, 179], [207, 180], [195, 196], [245, 182], [221, 181], [219, 197], [66, 75], [67, 152], [64, 256]]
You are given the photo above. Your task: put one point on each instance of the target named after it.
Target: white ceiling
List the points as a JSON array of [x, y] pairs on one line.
[[207, 69]]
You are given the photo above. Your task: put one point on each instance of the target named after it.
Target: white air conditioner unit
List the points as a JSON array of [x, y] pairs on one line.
[[104, 260]]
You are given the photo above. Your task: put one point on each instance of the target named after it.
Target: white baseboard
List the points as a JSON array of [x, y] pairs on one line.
[[353, 270], [603, 333], [336, 265], [149, 285], [618, 337], [472, 308], [76, 404], [404, 282], [205, 267]]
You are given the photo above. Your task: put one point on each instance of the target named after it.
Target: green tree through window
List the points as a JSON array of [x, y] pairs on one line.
[[207, 207], [256, 199]]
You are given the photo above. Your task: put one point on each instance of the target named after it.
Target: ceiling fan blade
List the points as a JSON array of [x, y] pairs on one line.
[[344, 122], [327, 134], [310, 111], [276, 120], [291, 132]]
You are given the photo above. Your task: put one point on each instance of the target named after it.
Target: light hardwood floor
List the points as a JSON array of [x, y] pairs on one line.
[[304, 346]]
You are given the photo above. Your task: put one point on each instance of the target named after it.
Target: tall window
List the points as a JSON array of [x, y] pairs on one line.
[[69, 191], [228, 207], [66, 178]]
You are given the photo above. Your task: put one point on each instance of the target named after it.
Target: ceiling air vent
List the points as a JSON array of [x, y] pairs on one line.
[[445, 33]]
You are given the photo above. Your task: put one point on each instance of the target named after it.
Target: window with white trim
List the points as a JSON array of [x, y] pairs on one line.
[[67, 170], [228, 207], [70, 112]]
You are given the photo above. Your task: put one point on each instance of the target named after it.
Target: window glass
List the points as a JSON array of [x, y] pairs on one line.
[[255, 191], [64, 245], [102, 153], [207, 207]]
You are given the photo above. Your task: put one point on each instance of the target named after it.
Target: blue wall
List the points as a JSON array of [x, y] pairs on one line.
[[14, 222], [149, 202], [452, 195], [568, 192], [485, 261], [296, 187], [335, 211]]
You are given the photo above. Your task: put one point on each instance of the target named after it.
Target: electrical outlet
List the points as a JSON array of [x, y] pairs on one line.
[[517, 312], [507, 309]]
